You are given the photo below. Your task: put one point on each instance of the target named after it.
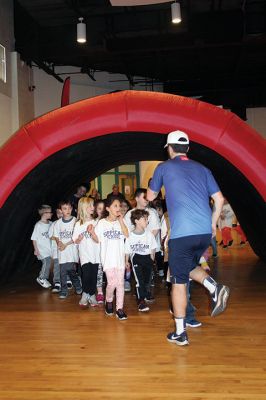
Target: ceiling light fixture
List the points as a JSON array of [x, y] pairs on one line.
[[81, 31], [176, 13]]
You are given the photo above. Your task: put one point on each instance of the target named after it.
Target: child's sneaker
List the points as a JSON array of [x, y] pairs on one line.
[[69, 285], [149, 299], [78, 291], [100, 298], [62, 296], [127, 286], [180, 340], [92, 300], [44, 283], [121, 315], [84, 300], [193, 323], [109, 310], [56, 288], [142, 307]]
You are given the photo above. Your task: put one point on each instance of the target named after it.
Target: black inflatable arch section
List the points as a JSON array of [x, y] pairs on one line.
[[53, 176]]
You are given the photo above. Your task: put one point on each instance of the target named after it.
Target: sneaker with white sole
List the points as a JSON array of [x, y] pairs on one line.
[[62, 296], [180, 340], [193, 323], [56, 288], [84, 300], [69, 285], [121, 315], [109, 309], [142, 307], [219, 299], [100, 298], [127, 286], [92, 300], [43, 282]]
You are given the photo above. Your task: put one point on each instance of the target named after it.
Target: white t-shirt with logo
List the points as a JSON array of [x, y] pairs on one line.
[[63, 230], [53, 242], [112, 241], [228, 215], [142, 244], [89, 250], [41, 236]]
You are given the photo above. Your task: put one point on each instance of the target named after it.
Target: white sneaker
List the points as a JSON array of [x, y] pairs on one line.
[[84, 300], [92, 300], [43, 282], [127, 286]]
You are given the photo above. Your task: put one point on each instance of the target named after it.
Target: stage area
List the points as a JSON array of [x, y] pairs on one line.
[[50, 349]]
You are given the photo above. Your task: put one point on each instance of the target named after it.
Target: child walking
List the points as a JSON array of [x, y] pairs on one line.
[[98, 214], [141, 246], [67, 250], [110, 232], [56, 278], [42, 244], [89, 251]]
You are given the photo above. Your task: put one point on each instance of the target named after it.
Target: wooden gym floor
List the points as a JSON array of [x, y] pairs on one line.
[[50, 349]]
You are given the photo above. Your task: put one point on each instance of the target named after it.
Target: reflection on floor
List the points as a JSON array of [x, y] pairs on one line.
[[50, 349]]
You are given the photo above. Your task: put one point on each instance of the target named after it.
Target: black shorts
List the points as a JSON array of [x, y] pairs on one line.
[[184, 255]]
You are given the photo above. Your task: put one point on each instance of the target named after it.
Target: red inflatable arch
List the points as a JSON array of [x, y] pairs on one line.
[[206, 124]]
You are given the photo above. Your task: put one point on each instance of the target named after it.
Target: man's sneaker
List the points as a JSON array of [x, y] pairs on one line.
[[62, 296], [127, 286], [121, 315], [92, 300], [44, 283], [84, 300], [180, 340], [193, 323], [109, 310], [219, 299], [142, 307], [56, 288], [69, 285], [100, 298]]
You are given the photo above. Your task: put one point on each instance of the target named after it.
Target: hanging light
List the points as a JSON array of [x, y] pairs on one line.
[[81, 31], [176, 13]]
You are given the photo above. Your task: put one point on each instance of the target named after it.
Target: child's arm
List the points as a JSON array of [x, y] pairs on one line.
[[62, 246], [36, 250], [153, 255], [91, 230], [127, 262], [123, 226]]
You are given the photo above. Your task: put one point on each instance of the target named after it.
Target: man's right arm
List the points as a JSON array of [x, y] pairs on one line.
[[217, 208]]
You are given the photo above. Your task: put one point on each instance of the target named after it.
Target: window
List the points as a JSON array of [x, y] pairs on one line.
[[2, 63]]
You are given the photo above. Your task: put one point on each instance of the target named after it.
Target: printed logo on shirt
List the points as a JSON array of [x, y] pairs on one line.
[[65, 234], [86, 234], [45, 234], [113, 234], [139, 247]]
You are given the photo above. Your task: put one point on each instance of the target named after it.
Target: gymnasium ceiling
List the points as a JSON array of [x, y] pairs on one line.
[[217, 52]]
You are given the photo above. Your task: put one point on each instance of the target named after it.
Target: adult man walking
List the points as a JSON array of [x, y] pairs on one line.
[[188, 187]]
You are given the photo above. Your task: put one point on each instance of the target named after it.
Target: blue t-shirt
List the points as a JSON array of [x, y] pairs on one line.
[[188, 186]]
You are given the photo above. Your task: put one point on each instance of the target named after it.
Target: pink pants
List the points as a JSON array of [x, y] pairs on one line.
[[226, 235], [115, 280], [239, 230]]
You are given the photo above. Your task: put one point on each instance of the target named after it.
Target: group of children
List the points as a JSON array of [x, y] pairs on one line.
[[106, 237]]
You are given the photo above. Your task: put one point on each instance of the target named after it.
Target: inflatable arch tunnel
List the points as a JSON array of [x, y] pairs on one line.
[[48, 157]]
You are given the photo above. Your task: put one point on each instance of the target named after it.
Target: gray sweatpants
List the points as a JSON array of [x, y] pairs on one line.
[[69, 269], [46, 266]]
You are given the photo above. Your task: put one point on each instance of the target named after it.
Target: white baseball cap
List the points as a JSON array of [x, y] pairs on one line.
[[177, 137]]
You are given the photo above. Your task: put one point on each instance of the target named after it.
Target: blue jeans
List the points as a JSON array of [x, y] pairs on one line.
[[214, 246]]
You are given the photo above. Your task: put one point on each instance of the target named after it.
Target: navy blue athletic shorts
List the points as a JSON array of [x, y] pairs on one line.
[[184, 254]]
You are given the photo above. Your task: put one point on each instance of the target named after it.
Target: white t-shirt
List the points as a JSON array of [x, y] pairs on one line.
[[63, 230], [153, 219], [228, 215], [142, 244], [53, 242], [112, 241], [41, 236], [89, 250]]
